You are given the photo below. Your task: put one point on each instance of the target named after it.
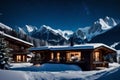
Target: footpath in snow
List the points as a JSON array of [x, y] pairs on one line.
[[56, 75]]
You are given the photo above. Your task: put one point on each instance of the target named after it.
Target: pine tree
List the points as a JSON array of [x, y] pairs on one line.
[[4, 56]]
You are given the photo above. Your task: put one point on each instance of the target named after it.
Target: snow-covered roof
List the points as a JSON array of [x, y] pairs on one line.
[[81, 46], [15, 38], [5, 26]]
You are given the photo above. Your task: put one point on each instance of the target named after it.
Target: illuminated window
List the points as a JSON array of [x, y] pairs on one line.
[[97, 56], [74, 56], [52, 56], [58, 56], [24, 58], [18, 58]]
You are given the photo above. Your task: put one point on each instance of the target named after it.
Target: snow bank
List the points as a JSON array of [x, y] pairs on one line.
[[62, 75], [16, 65], [12, 75], [49, 67]]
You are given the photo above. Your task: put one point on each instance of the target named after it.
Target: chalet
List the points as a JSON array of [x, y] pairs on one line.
[[87, 56], [19, 47]]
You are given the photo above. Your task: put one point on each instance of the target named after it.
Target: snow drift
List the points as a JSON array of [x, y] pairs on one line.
[[49, 67], [62, 75]]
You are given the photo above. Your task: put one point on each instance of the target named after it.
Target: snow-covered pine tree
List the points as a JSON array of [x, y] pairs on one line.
[[4, 54]]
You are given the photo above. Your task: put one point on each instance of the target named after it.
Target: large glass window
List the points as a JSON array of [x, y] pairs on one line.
[[73, 56]]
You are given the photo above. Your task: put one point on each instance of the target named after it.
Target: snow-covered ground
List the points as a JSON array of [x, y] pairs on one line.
[[49, 67], [17, 65], [57, 75]]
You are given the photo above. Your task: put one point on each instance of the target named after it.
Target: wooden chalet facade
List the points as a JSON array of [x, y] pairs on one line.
[[19, 48], [87, 56]]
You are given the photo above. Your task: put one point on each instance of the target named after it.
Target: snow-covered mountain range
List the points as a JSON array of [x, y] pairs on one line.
[[28, 29], [58, 36], [49, 36], [52, 36]]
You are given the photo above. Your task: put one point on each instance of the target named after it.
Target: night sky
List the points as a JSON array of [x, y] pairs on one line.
[[59, 14]]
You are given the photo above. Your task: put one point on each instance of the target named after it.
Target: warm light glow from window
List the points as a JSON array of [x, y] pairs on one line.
[[72, 55], [58, 56], [23, 57], [68, 56], [52, 56], [18, 58], [97, 56]]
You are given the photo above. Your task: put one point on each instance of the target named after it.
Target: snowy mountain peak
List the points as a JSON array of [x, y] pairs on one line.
[[110, 21], [21, 30], [66, 33], [114, 23], [48, 28], [103, 24], [30, 28], [106, 23], [27, 29], [107, 17]]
